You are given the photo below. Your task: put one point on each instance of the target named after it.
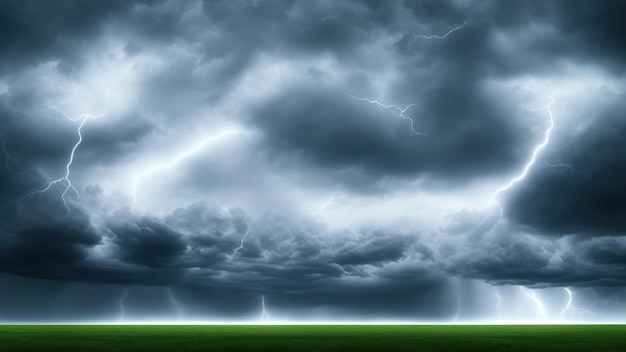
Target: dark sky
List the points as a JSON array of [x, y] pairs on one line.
[[335, 160]]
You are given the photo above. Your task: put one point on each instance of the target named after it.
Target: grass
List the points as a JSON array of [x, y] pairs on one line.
[[173, 338]]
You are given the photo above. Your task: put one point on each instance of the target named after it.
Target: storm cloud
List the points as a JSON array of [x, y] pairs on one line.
[[345, 160]]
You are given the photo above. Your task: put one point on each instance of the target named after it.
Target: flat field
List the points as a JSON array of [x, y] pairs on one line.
[[170, 338]]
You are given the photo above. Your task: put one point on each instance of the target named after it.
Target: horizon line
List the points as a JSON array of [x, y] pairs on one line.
[[330, 323]]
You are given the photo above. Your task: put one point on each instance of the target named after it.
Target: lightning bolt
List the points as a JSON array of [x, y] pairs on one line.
[[566, 166], [175, 304], [398, 111], [122, 305], [65, 180], [7, 156], [395, 110], [533, 157], [533, 297], [570, 305], [499, 303], [241, 245], [440, 37], [175, 160], [264, 315], [458, 299]]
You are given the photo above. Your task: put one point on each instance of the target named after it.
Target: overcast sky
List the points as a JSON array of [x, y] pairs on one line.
[[334, 160]]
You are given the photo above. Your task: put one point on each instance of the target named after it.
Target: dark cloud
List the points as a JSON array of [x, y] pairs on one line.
[[580, 190], [607, 251], [34, 32], [326, 205], [375, 143], [69, 246], [41, 240], [504, 253], [572, 30], [376, 250], [147, 242]]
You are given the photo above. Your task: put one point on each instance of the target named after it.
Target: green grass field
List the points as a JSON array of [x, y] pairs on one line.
[[155, 338]]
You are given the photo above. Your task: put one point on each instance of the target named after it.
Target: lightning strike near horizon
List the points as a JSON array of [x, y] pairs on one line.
[[174, 160], [569, 307], [65, 180], [458, 299], [531, 295], [395, 110], [533, 157], [122, 305], [264, 315], [174, 302], [499, 302]]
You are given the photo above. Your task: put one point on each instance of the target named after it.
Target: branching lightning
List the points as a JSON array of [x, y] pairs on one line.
[[395, 110], [65, 180], [175, 304], [533, 158], [569, 307], [398, 111], [175, 160], [264, 315]]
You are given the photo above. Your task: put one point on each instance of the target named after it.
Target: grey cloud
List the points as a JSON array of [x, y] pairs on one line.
[[382, 249], [276, 254], [375, 143], [34, 31], [503, 253], [147, 242], [563, 225], [582, 192], [606, 251]]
